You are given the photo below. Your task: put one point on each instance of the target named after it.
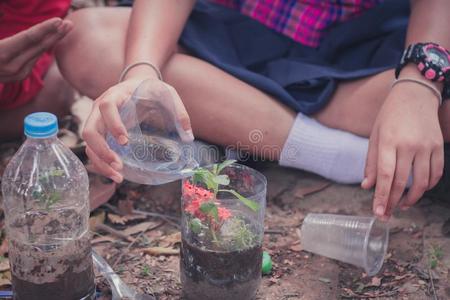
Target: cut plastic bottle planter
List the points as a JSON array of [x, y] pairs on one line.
[[156, 152]]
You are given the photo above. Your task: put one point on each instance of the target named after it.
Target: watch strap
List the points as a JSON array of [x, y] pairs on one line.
[[411, 54], [415, 53]]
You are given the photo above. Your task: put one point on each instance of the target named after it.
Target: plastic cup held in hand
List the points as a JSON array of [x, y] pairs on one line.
[[360, 241], [157, 151]]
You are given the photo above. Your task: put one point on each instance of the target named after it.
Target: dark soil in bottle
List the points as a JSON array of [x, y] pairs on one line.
[[214, 275], [70, 286], [52, 272]]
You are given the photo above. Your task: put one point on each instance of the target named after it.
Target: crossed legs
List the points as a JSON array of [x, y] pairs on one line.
[[223, 110]]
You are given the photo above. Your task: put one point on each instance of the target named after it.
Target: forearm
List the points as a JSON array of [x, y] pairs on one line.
[[153, 32], [429, 22]]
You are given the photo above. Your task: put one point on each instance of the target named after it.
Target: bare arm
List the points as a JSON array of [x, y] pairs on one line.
[[406, 138], [153, 32], [429, 22]]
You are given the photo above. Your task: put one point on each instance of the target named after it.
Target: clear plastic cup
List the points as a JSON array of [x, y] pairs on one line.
[[360, 241]]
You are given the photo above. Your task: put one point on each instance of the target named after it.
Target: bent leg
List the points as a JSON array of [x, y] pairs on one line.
[[355, 105], [56, 97], [223, 109]]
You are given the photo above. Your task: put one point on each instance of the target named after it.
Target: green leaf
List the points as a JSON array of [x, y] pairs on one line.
[[225, 164], [205, 176], [195, 225], [433, 263], [249, 203], [52, 199], [145, 271], [56, 172], [210, 208], [222, 179]]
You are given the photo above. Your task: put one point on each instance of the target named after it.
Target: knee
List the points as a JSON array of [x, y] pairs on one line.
[[82, 20], [73, 52], [57, 96]]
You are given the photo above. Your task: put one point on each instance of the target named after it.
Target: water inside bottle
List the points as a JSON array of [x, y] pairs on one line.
[[152, 159], [155, 152]]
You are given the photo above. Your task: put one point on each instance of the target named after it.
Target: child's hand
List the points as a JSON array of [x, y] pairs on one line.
[[105, 117], [19, 53], [406, 139]]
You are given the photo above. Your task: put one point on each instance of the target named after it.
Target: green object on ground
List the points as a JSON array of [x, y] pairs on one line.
[[266, 263]]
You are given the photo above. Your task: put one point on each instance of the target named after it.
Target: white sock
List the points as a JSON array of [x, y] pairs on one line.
[[334, 154]]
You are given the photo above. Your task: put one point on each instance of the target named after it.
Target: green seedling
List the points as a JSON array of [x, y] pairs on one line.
[[435, 256], [145, 270], [45, 193], [213, 179]]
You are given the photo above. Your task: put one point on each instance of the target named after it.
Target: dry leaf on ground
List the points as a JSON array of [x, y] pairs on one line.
[[170, 240], [5, 278], [122, 220], [139, 228], [161, 251], [4, 265], [96, 219]]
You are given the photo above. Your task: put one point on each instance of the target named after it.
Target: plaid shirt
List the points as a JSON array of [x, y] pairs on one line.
[[305, 21]]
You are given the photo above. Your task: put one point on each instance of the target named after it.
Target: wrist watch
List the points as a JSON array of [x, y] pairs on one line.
[[433, 62]]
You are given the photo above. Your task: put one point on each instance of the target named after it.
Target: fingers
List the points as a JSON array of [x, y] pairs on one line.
[[103, 167], [34, 35], [182, 122], [46, 43], [93, 134], [421, 175], [437, 166], [20, 73], [16, 61], [370, 171], [108, 105], [385, 173], [402, 171]]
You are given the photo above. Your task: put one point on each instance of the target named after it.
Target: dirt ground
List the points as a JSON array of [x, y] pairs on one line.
[[138, 233], [417, 266]]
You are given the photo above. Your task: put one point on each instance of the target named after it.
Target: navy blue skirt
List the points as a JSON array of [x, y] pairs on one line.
[[301, 77]]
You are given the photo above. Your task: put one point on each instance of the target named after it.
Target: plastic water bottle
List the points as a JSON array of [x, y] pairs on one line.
[[46, 202]]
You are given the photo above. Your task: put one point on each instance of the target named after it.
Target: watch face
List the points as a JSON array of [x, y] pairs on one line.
[[437, 56]]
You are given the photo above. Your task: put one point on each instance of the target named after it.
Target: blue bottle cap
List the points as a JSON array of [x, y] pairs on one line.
[[40, 125]]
